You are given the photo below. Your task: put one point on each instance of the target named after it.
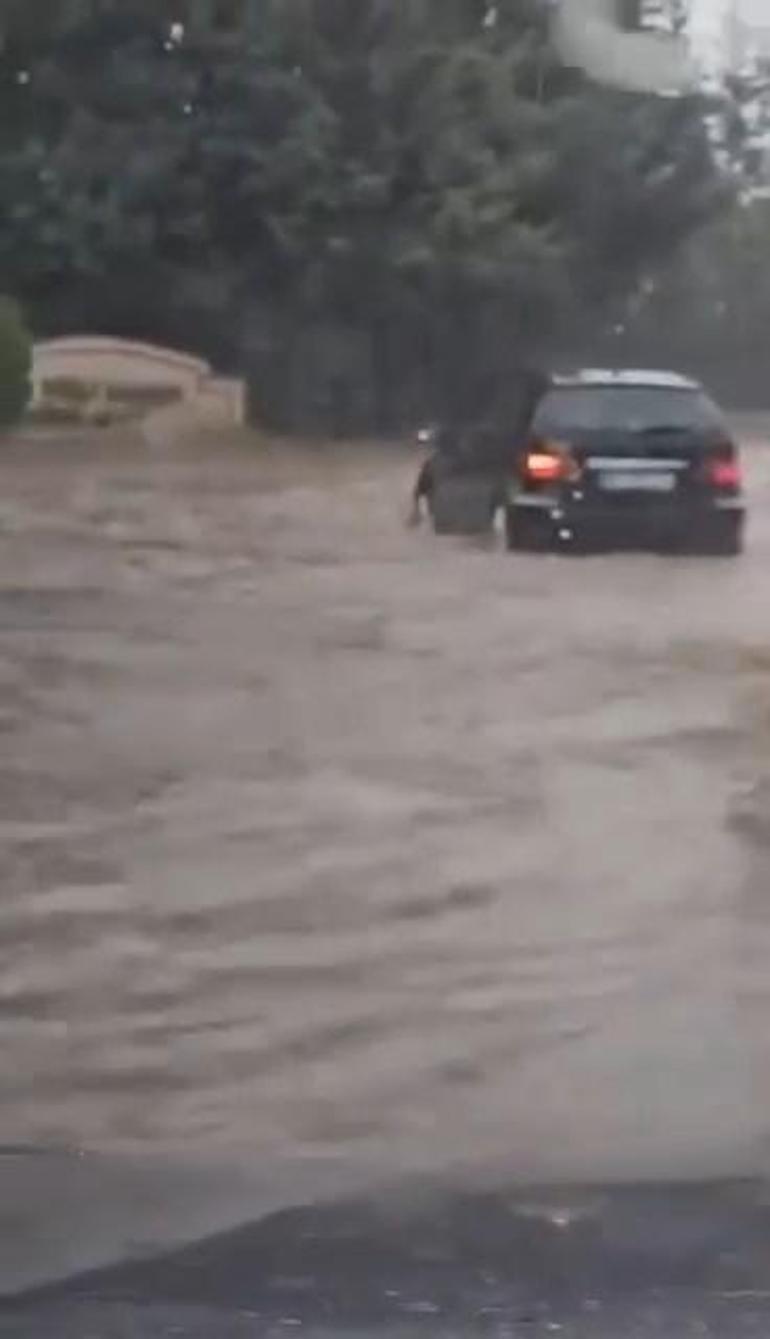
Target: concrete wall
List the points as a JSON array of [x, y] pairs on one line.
[[589, 37], [106, 367]]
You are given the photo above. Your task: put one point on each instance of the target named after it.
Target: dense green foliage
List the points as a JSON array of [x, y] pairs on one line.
[[15, 360], [374, 207]]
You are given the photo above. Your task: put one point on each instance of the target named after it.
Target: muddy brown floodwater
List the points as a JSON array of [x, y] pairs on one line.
[[334, 853]]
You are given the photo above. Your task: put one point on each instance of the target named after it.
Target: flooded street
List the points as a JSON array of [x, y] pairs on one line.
[[333, 853]]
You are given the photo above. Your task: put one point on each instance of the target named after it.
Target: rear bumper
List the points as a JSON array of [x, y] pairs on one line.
[[665, 522]]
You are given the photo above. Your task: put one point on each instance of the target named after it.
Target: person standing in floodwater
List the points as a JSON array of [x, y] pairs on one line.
[[488, 447]]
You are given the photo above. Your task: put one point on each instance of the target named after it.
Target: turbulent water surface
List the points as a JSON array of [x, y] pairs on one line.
[[334, 853]]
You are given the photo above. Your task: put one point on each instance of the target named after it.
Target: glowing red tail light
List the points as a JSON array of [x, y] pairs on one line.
[[550, 463], [541, 467], [724, 472]]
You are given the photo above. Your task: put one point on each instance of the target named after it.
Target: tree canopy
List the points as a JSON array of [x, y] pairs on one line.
[[374, 207]]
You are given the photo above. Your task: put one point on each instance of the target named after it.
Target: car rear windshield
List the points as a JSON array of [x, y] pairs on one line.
[[626, 409]]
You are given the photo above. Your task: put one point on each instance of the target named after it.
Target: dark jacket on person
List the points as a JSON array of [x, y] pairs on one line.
[[489, 447]]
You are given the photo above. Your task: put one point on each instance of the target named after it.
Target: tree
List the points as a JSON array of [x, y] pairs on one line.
[[375, 206], [15, 363]]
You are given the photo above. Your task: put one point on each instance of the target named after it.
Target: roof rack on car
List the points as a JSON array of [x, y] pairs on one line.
[[625, 376]]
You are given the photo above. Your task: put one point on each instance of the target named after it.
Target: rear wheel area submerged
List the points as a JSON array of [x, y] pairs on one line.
[[723, 541], [528, 532]]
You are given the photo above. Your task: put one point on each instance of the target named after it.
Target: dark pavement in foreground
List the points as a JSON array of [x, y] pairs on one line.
[[594, 1264]]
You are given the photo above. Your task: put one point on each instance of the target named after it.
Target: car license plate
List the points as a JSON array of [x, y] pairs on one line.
[[637, 481]]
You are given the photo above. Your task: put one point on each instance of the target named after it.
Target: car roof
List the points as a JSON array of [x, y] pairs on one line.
[[626, 376]]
